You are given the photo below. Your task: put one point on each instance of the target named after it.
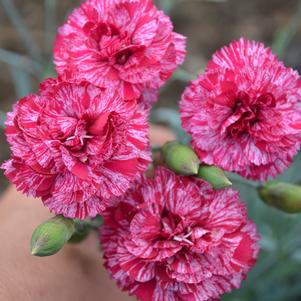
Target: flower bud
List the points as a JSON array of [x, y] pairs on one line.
[[180, 158], [215, 176], [283, 196], [49, 237]]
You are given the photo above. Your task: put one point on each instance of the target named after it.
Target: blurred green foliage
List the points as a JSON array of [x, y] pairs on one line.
[[277, 275]]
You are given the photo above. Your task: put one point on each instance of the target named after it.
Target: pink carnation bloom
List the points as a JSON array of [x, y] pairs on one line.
[[76, 146], [125, 44], [243, 113], [173, 238]]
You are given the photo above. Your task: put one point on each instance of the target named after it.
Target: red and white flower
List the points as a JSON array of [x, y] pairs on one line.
[[125, 44], [76, 146], [243, 113], [173, 238]]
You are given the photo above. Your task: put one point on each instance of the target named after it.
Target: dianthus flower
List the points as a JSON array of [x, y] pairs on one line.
[[243, 113], [125, 44], [173, 238], [76, 146]]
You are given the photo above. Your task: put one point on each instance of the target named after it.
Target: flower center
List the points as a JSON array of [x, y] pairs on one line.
[[123, 56], [184, 238], [112, 44], [77, 140], [173, 227], [246, 112], [107, 29], [81, 138]]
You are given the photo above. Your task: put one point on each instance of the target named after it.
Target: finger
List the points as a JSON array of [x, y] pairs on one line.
[[160, 135], [75, 273]]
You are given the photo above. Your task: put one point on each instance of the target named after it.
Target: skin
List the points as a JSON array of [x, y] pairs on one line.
[[74, 274]]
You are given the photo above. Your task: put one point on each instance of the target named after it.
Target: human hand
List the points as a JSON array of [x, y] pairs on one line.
[[74, 274]]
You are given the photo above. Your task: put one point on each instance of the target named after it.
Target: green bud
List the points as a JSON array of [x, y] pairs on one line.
[[215, 176], [283, 196], [79, 236], [49, 237], [180, 158]]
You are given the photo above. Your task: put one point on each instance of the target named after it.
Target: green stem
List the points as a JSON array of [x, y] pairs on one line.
[[94, 223], [16, 19], [83, 228], [243, 182], [2, 119], [19, 61], [167, 5], [156, 149], [286, 35]]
